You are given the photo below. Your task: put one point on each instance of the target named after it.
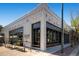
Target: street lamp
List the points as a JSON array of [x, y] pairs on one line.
[[62, 34]]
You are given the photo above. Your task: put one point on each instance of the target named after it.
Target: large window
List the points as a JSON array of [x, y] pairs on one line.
[[66, 38], [1, 38], [53, 37], [36, 34], [16, 36]]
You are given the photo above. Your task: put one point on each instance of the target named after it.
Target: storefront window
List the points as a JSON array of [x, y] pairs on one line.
[[36, 35], [16, 36], [53, 35]]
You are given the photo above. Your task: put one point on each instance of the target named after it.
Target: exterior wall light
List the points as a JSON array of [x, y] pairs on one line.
[[1, 36]]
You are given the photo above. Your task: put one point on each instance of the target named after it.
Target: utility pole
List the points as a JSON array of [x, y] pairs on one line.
[[62, 34]]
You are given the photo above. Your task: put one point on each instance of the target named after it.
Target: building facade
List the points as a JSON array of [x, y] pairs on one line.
[[40, 29]]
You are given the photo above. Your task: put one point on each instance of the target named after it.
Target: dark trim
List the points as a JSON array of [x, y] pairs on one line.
[[32, 32], [37, 23], [53, 24], [16, 29], [53, 27]]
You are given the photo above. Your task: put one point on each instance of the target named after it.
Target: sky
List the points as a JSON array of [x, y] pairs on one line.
[[10, 12]]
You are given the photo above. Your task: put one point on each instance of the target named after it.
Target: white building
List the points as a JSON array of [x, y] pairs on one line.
[[41, 29]]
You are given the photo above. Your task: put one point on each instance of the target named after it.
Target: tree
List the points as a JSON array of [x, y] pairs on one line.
[[75, 30], [1, 36], [1, 28], [75, 24]]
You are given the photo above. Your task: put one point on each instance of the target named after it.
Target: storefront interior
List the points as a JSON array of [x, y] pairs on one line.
[[16, 36], [53, 35]]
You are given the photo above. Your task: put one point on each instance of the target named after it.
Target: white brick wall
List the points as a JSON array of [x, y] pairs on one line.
[[26, 21]]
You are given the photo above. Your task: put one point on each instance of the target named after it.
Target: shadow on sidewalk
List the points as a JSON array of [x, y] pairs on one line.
[[16, 48], [67, 52]]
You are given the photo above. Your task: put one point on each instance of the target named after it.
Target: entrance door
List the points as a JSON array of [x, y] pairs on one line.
[[36, 35], [36, 38]]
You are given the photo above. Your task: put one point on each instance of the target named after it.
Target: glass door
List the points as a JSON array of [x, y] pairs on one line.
[[36, 38]]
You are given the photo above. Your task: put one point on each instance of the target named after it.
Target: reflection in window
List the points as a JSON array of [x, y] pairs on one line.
[[16, 36], [36, 35]]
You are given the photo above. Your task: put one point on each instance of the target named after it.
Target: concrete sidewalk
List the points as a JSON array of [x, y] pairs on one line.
[[56, 48], [68, 51], [9, 52], [75, 51]]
